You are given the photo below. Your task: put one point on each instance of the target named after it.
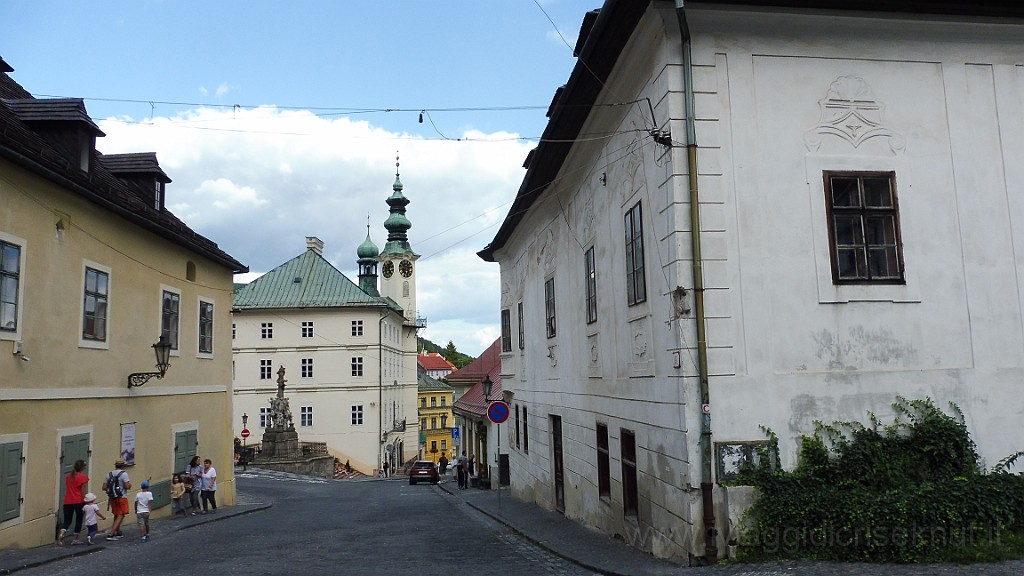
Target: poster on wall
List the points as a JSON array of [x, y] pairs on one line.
[[128, 443]]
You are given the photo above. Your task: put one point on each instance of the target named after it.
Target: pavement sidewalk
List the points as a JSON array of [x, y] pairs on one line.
[[563, 537], [13, 560]]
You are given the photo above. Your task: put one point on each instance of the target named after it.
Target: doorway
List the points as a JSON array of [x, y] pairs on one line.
[[556, 457]]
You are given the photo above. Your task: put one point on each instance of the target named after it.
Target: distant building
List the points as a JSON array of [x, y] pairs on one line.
[[436, 419], [95, 270], [349, 350], [759, 214], [435, 365], [478, 435]]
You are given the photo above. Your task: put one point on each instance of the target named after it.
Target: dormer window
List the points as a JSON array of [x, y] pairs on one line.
[[159, 195]]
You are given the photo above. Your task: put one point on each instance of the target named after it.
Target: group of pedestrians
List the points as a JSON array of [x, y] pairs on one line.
[[198, 484], [463, 469]]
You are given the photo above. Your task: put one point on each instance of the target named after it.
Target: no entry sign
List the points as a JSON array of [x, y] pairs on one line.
[[497, 412], [245, 433]]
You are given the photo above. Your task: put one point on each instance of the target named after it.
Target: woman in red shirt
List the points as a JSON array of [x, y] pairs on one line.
[[74, 500]]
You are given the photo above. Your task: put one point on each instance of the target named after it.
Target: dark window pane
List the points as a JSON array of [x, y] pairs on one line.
[[877, 193], [880, 230], [851, 262], [10, 261], [848, 231], [845, 193], [883, 263]]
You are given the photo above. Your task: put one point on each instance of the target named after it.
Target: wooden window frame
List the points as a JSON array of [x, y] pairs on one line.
[[893, 249]]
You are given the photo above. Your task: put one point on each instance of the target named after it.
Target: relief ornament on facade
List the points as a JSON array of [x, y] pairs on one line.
[[851, 112]]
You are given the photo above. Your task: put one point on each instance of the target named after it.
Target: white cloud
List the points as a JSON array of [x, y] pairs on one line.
[[258, 181], [222, 90]]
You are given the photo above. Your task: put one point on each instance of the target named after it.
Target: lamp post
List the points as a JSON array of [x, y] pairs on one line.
[[163, 352], [245, 434]]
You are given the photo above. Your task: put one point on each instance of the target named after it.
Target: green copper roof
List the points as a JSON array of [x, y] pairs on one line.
[[430, 384], [306, 281], [367, 249]]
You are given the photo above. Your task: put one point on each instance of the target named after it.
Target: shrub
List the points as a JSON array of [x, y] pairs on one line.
[[910, 491]]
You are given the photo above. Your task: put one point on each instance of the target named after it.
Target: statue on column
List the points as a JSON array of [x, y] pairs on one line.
[[280, 412]]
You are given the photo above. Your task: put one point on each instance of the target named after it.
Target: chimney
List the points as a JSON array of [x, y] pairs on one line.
[[315, 244]]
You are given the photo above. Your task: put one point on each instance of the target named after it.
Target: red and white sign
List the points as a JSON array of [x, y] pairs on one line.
[[245, 433]]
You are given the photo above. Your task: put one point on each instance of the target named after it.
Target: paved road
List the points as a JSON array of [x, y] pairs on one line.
[[327, 527], [288, 524]]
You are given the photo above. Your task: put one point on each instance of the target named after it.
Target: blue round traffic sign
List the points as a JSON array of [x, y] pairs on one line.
[[497, 411]]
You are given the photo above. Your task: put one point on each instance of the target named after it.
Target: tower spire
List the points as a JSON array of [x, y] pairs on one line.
[[397, 223]]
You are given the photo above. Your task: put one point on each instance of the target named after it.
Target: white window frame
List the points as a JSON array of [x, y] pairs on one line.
[[19, 315], [270, 369], [176, 343], [357, 328], [305, 416], [306, 368], [306, 329], [357, 418], [199, 327], [86, 342]]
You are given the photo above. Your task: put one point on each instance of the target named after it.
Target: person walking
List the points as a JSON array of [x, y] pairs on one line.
[[194, 471], [92, 511], [117, 486], [74, 500], [442, 467], [209, 494], [460, 469], [387, 468], [143, 500]]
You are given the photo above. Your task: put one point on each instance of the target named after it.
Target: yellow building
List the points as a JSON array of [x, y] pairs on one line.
[[436, 419], [94, 271]]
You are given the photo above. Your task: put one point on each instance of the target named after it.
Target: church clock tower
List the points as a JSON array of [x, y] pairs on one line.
[[398, 261]]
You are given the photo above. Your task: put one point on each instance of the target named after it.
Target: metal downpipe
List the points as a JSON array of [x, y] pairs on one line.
[[706, 485]]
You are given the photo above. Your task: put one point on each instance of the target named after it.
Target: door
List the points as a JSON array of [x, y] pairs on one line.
[[185, 447], [556, 457], [72, 448]]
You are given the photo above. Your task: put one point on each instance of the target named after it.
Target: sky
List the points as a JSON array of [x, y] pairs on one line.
[[278, 121]]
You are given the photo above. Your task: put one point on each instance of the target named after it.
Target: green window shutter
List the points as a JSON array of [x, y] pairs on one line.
[[10, 481]]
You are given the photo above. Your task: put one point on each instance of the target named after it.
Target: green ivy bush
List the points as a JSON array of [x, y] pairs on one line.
[[910, 491]]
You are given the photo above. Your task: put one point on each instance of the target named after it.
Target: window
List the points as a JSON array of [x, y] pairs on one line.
[[630, 496], [233, 328], [357, 365], [265, 370], [526, 433], [518, 445], [357, 415], [266, 330], [444, 444], [522, 329], [864, 227], [433, 401], [307, 368], [357, 327], [433, 423], [307, 329], [442, 401], [423, 424], [444, 421], [10, 480], [169, 317], [636, 282], [94, 308], [604, 480], [549, 307], [205, 327], [433, 445], [506, 330], [265, 420], [159, 195], [590, 273], [305, 416], [423, 402]]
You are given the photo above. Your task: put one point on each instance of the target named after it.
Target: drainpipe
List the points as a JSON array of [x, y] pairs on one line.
[[706, 486], [380, 390]]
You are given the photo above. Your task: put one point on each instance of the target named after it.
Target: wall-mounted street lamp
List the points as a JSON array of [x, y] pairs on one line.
[[488, 384], [163, 352]]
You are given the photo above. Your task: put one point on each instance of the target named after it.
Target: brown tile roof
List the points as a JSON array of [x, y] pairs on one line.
[[138, 163], [22, 145], [32, 110]]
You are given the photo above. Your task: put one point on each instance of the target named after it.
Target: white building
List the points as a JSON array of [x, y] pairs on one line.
[[349, 351], [759, 216]]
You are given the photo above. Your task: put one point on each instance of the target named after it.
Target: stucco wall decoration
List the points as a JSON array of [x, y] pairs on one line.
[[851, 112]]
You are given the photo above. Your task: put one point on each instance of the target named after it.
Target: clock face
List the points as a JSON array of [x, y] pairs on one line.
[[388, 269], [405, 267]]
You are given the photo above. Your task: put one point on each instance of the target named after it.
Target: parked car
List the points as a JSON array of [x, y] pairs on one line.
[[423, 470]]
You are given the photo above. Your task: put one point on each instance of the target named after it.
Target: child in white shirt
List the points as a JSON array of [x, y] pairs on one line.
[[92, 511], [142, 502]]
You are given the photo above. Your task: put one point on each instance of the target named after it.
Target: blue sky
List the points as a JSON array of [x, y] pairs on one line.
[[269, 119]]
